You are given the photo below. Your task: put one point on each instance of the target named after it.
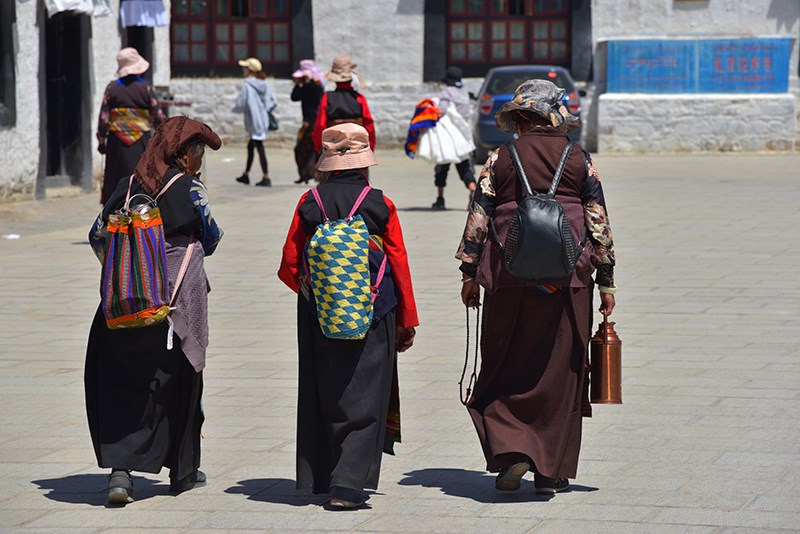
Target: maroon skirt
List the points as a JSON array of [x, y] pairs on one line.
[[527, 398]]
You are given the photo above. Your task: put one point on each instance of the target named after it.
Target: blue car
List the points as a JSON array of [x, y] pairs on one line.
[[498, 88]]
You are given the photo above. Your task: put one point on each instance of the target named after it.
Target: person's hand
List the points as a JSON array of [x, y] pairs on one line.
[[471, 294], [404, 337], [101, 147], [606, 303]]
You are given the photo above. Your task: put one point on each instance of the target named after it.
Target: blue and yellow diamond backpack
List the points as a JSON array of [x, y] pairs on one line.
[[338, 272]]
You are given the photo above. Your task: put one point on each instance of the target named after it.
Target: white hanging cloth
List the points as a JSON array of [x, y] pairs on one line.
[[95, 8], [148, 13]]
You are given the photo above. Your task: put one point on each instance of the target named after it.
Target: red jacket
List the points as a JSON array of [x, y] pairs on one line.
[[380, 214], [322, 116]]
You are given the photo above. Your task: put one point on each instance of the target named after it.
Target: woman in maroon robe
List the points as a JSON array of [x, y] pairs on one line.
[[526, 405]]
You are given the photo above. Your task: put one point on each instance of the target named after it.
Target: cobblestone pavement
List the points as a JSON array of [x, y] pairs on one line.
[[707, 440]]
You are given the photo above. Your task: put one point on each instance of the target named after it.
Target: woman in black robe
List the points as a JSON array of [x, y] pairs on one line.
[[348, 401], [143, 397]]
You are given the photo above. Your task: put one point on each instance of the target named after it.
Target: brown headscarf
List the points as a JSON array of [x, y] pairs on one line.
[[165, 144]]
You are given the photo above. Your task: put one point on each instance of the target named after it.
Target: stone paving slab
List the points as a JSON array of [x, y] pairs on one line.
[[707, 440]]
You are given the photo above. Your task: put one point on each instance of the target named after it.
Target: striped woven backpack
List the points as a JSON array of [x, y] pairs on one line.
[[338, 272], [134, 283]]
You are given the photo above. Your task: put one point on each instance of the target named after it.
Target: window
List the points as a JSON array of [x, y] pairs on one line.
[[486, 33], [8, 96], [209, 37]]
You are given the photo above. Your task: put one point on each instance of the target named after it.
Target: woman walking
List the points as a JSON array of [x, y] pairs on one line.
[[143, 398], [308, 90], [453, 93], [348, 405], [526, 405], [255, 100], [344, 104], [127, 115]]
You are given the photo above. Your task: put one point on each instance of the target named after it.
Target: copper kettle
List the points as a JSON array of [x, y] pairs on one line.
[[606, 365]]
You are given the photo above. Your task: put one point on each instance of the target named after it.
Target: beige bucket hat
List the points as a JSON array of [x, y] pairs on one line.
[[341, 70], [345, 146], [130, 62]]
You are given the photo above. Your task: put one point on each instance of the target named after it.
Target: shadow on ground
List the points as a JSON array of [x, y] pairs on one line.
[[477, 485], [91, 489], [277, 491]]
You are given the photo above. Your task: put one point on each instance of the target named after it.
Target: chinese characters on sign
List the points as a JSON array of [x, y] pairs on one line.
[[699, 66]]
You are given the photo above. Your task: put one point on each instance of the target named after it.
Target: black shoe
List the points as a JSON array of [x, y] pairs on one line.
[[120, 487], [439, 204], [510, 478], [346, 498], [195, 480], [265, 182], [301, 180], [243, 179], [549, 486]]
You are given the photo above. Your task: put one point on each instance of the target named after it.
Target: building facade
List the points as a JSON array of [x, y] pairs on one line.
[[620, 51]]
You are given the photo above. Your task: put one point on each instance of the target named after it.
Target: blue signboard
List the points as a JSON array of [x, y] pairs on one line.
[[699, 65]]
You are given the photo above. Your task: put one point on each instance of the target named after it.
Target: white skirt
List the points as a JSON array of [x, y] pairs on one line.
[[450, 141]]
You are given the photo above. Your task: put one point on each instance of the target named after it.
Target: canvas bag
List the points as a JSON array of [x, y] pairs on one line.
[[134, 282], [539, 244], [338, 270]]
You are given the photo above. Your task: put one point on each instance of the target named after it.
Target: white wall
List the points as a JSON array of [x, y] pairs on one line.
[[686, 123], [384, 37], [701, 18], [19, 157]]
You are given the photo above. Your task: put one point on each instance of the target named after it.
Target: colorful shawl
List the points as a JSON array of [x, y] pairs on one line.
[[426, 115]]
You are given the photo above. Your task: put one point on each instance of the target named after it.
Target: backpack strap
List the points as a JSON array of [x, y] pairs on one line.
[[164, 189], [523, 178], [318, 200], [560, 169], [359, 200], [353, 210]]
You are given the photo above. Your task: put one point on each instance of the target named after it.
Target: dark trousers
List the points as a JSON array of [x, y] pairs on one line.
[[464, 169], [262, 157]]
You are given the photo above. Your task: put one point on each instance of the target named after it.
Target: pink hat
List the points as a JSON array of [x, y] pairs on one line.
[[345, 146], [308, 69], [130, 62]]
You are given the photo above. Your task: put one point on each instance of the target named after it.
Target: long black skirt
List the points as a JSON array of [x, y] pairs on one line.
[[121, 159], [142, 400], [343, 399]]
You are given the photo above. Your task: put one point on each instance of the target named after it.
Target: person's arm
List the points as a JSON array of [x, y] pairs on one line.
[[367, 122], [396, 255], [270, 102], [297, 92], [444, 101], [241, 100], [97, 237], [476, 232], [321, 123], [156, 113], [393, 246], [210, 232], [103, 122], [599, 233], [289, 271]]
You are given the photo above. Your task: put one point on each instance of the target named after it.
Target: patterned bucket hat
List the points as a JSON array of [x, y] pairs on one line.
[[541, 97]]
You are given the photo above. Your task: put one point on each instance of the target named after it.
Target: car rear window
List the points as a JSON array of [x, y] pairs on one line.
[[507, 82]]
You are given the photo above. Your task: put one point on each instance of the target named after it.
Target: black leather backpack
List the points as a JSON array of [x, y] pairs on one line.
[[539, 244]]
